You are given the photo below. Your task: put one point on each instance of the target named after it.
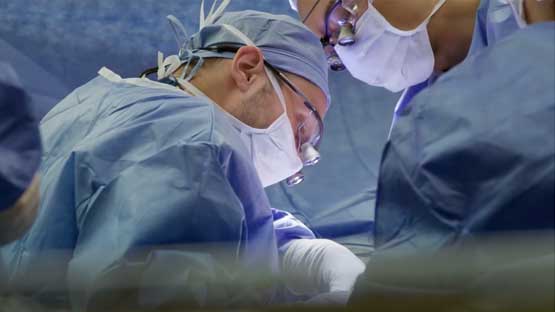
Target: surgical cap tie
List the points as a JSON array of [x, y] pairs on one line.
[[168, 66]]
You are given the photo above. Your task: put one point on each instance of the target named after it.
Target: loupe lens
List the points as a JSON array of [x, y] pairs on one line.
[[295, 179], [336, 64], [309, 154], [334, 61]]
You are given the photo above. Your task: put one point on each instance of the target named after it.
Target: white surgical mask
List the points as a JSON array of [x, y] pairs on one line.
[[385, 56], [273, 150]]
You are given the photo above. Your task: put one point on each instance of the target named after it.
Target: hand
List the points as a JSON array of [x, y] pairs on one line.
[[316, 266], [16, 220]]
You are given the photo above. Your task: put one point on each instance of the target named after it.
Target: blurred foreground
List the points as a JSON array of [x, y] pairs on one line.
[[511, 272]]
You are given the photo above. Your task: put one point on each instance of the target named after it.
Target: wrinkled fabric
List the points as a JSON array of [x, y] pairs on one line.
[[20, 146], [474, 153], [495, 20], [144, 184]]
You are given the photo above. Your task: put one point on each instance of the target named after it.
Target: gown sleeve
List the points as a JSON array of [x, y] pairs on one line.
[[167, 229]]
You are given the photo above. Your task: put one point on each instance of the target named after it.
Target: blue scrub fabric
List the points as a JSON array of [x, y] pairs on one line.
[[474, 152], [288, 228], [71, 40], [20, 146], [137, 183]]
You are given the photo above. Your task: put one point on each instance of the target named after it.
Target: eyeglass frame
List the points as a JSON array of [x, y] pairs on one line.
[[338, 3]]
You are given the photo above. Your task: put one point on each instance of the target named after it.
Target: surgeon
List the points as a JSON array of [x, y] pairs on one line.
[[158, 185], [20, 151], [471, 148], [471, 153], [405, 45]]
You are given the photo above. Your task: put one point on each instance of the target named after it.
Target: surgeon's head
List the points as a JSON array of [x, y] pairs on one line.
[[248, 86], [269, 74], [391, 43]]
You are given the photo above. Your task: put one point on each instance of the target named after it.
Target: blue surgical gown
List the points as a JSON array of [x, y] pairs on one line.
[[144, 183], [20, 147], [474, 152]]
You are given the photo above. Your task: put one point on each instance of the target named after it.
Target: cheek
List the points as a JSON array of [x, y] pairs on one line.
[[362, 7], [316, 20], [259, 110], [270, 105], [317, 27], [293, 119]]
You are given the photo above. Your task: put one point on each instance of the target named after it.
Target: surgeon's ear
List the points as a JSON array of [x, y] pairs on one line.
[[247, 68]]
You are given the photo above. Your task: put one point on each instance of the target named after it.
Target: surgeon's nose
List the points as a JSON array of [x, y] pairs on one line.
[[295, 179], [309, 155]]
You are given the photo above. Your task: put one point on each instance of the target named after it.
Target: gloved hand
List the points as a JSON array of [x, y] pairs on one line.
[[316, 266]]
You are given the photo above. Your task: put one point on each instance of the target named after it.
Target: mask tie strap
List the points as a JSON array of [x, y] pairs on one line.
[[179, 32], [436, 8]]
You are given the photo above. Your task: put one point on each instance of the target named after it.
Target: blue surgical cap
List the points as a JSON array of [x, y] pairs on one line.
[[285, 42]]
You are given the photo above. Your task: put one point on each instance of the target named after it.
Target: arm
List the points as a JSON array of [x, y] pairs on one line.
[[17, 219], [288, 229], [20, 152], [167, 229], [313, 266]]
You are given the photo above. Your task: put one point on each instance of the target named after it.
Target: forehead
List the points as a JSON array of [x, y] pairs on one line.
[[314, 94], [317, 14]]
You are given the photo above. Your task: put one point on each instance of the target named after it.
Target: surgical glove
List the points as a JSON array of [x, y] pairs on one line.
[[316, 266]]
